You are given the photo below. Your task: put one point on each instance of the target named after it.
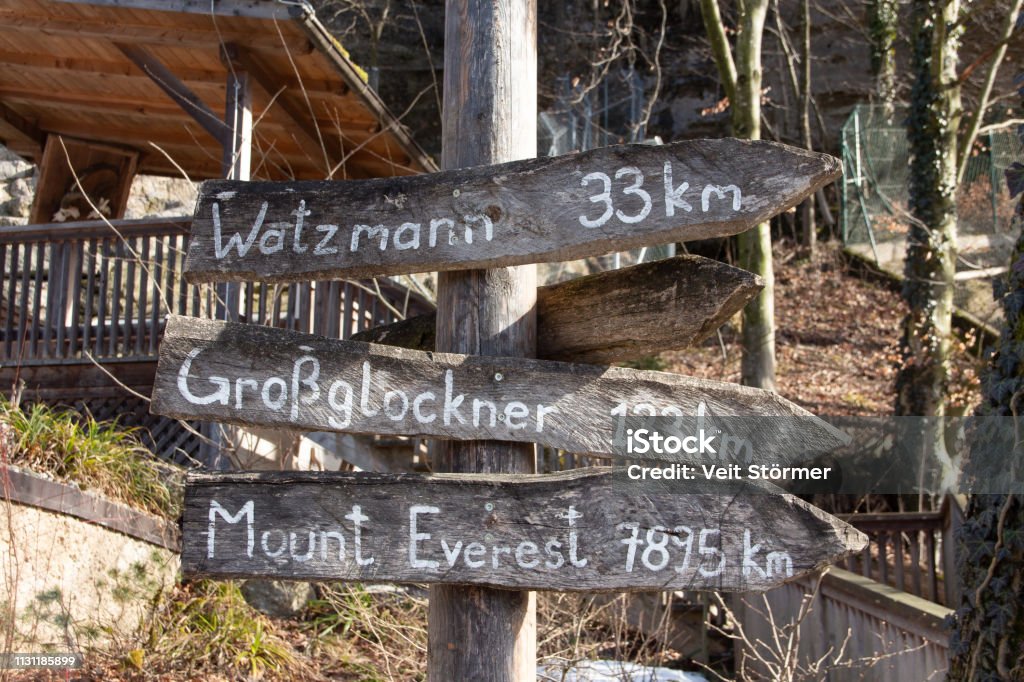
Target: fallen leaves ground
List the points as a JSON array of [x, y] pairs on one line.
[[837, 340]]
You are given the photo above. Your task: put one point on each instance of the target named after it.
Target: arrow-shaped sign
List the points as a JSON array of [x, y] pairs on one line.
[[250, 374], [584, 530], [538, 210], [616, 315]]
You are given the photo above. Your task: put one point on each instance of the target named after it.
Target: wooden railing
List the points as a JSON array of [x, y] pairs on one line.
[[857, 628], [911, 551], [73, 290]]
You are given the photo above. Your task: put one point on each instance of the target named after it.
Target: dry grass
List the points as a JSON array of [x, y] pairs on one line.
[[103, 457]]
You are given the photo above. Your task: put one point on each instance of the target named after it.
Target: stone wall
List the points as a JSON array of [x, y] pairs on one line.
[[66, 584], [17, 187]]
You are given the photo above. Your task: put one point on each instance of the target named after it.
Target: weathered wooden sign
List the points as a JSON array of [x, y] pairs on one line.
[[585, 530], [249, 374], [531, 211], [617, 315]]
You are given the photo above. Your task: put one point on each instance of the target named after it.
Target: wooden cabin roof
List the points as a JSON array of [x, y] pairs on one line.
[[72, 67]]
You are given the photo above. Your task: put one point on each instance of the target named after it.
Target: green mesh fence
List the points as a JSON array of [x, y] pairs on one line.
[[874, 215]]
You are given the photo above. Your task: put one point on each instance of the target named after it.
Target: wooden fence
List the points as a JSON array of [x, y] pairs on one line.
[[911, 551], [71, 290], [855, 629]]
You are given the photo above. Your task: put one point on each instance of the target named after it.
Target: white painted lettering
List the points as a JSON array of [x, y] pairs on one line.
[[247, 511], [516, 410], [720, 191], [321, 248], [300, 215], [344, 407], [451, 405], [357, 517], [417, 405], [219, 250], [221, 395], [413, 242], [526, 548], [377, 231], [415, 537], [673, 194]]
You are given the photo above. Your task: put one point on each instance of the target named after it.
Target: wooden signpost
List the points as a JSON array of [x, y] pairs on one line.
[[483, 537], [531, 211], [250, 374], [587, 530], [616, 315]]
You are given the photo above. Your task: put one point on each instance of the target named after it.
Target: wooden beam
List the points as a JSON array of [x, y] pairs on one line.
[[94, 229], [32, 65], [28, 488], [70, 100], [146, 33], [583, 531], [618, 315], [249, 8], [323, 40], [18, 130], [489, 116], [302, 124], [252, 9], [177, 91], [78, 174], [237, 143]]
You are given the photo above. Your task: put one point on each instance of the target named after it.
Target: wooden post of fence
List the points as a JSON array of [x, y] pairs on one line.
[[490, 114], [236, 162]]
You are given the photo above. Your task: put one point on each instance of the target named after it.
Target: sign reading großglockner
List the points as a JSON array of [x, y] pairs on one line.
[[254, 375]]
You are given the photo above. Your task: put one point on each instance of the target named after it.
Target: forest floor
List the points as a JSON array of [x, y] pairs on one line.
[[837, 341]]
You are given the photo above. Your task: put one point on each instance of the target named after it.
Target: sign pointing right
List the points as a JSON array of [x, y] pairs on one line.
[[532, 211], [584, 530], [250, 374]]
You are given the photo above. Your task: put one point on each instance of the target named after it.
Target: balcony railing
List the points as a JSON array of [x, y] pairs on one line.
[[71, 291]]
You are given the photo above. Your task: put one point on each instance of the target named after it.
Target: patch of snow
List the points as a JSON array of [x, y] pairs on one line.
[[613, 671]]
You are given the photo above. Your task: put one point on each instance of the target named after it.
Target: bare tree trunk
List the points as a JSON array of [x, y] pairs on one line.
[[931, 240], [921, 384], [1010, 24], [741, 79], [810, 233], [883, 17]]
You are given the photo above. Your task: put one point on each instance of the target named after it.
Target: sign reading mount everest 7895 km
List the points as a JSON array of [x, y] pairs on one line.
[[537, 210]]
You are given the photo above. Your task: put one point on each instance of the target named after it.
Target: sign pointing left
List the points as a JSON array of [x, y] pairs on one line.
[[250, 374]]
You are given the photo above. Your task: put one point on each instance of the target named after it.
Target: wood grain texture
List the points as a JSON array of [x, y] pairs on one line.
[[249, 374], [536, 210], [570, 531], [29, 488], [489, 116], [617, 315]]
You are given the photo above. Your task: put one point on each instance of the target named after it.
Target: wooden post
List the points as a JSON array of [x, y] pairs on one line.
[[236, 160], [490, 116]]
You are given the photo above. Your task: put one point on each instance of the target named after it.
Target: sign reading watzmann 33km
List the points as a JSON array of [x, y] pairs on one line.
[[531, 211], [250, 374]]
